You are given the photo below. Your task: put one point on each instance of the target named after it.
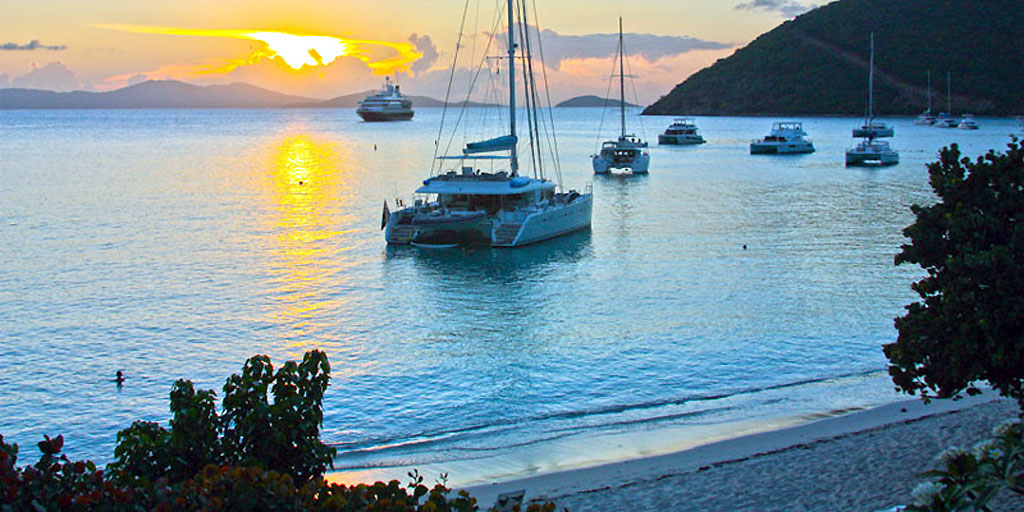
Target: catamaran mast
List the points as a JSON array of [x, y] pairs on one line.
[[622, 84], [871, 81], [512, 89]]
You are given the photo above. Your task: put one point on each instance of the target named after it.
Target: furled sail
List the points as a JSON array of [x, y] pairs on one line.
[[503, 143]]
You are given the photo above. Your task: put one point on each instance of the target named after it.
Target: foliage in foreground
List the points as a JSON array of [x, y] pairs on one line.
[[971, 480], [257, 454], [969, 326]]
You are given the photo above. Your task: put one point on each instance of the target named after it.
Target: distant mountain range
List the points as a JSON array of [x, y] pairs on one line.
[[592, 101], [818, 63], [175, 94]]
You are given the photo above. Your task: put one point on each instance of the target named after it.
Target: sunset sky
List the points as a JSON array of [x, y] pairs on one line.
[[69, 44]]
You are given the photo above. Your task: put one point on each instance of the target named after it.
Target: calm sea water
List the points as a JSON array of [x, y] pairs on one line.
[[177, 243]]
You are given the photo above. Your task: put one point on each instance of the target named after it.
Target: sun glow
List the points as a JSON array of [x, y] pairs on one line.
[[300, 50]]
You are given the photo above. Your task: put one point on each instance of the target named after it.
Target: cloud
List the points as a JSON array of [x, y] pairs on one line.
[[54, 76], [787, 8], [558, 48], [426, 47], [32, 45]]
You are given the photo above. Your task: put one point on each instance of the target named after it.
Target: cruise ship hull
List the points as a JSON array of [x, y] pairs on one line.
[[372, 116]]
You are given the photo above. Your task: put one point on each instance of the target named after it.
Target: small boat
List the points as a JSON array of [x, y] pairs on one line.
[[682, 132], [628, 151], [786, 137], [926, 118], [870, 150], [968, 123], [386, 105], [470, 206]]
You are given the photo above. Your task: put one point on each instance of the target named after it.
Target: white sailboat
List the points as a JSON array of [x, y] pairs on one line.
[[926, 118], [871, 150], [466, 205], [628, 151], [946, 119]]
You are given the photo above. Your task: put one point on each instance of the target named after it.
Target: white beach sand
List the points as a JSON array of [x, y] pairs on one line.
[[864, 461]]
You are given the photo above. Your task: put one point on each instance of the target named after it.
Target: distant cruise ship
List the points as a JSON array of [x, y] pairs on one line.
[[386, 105]]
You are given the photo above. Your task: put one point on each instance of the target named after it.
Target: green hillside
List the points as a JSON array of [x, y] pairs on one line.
[[818, 63]]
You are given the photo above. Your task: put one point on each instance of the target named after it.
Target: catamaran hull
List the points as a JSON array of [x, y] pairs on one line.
[[870, 159], [372, 116], [550, 223], [780, 149], [680, 140], [638, 165]]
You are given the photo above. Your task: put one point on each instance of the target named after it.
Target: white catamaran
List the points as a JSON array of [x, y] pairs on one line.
[[871, 150], [628, 151], [466, 205]]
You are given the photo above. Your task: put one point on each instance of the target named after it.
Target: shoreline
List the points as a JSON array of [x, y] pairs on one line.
[[904, 437]]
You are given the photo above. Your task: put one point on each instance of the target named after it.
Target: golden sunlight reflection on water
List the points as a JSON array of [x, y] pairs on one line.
[[308, 192]]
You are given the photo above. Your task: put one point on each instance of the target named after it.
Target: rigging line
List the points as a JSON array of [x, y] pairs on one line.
[[536, 96], [636, 97], [531, 105], [448, 91], [547, 93], [607, 98], [472, 84]]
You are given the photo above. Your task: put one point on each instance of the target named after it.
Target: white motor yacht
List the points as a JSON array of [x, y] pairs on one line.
[[386, 105], [870, 150], [467, 205], [968, 123], [627, 152], [786, 137], [682, 132]]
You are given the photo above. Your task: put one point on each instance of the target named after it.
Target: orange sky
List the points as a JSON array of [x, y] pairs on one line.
[[108, 44]]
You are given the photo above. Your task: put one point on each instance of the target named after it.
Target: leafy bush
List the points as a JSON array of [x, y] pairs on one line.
[[971, 480], [969, 326], [282, 435], [257, 454]]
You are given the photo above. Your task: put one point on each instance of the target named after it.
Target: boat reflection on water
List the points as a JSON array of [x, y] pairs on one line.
[[483, 265]]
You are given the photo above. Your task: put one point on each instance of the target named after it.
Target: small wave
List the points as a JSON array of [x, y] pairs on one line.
[[430, 438]]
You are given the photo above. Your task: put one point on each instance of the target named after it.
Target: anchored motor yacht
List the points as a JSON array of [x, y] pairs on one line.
[[682, 132], [968, 123], [870, 150], [786, 137], [468, 205], [386, 105], [628, 151]]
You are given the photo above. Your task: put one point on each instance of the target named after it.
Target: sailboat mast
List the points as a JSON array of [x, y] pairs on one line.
[[871, 80], [512, 88], [622, 83], [929, 92], [949, 108]]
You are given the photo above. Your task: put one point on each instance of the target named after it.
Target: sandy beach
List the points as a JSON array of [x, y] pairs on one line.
[[864, 461]]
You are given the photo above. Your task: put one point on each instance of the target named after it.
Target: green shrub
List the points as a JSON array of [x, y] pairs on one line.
[[969, 325]]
